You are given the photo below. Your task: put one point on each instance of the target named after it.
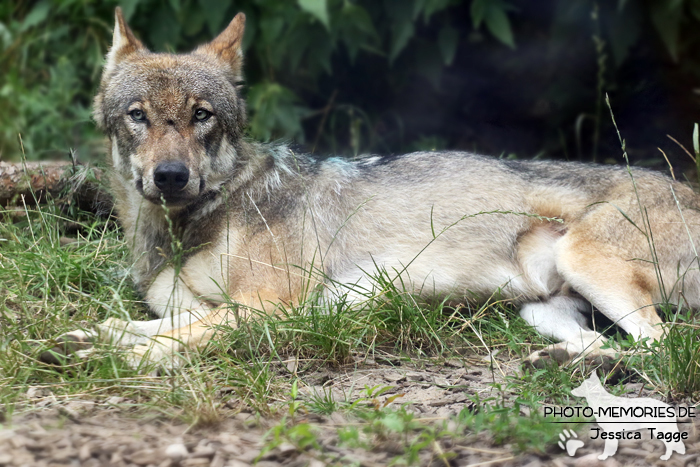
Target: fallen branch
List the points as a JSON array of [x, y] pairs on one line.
[[33, 183]]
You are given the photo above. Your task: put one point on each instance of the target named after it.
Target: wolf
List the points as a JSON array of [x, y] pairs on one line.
[[219, 225]]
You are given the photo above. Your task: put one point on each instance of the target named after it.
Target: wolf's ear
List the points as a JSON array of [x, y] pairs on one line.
[[227, 47], [124, 43]]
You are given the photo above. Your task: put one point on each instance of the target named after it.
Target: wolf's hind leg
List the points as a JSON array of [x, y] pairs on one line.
[[621, 288], [561, 318]]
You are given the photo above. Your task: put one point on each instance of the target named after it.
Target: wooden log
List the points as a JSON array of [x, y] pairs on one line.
[[33, 183]]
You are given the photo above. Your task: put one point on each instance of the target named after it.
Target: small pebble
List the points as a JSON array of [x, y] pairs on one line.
[[176, 452]]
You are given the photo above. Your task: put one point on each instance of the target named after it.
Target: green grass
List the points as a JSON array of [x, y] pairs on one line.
[[387, 422], [671, 366]]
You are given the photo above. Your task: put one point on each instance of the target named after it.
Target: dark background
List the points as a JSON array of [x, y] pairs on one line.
[[509, 78]]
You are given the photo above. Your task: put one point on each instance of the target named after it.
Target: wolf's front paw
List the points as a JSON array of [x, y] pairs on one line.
[[122, 333], [71, 344], [113, 330], [155, 358]]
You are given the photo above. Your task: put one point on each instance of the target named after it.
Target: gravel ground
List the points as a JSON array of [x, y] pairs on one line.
[[51, 432]]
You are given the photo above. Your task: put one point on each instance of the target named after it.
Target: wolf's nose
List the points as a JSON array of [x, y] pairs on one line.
[[171, 176]]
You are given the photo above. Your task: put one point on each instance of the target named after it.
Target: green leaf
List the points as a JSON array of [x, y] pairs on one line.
[[498, 24], [418, 7], [694, 7], [128, 8], [271, 27], [400, 15], [667, 22], [192, 21], [320, 57], [355, 29], [37, 16], [429, 63], [623, 29], [434, 6], [303, 38], [165, 32], [215, 14], [175, 4], [400, 35], [399, 11], [5, 36], [359, 19], [393, 422], [275, 112], [696, 140], [448, 38], [478, 11], [318, 9]]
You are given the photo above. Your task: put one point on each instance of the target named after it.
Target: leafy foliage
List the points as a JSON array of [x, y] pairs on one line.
[[322, 72]]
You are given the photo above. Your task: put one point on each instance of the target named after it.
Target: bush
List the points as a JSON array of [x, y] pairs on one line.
[[347, 76]]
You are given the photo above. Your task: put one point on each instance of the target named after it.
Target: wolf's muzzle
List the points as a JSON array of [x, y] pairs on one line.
[[171, 177]]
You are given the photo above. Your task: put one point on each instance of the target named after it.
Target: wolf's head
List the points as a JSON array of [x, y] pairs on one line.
[[174, 121]]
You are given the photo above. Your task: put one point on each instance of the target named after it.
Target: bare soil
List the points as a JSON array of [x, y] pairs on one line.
[[47, 431]]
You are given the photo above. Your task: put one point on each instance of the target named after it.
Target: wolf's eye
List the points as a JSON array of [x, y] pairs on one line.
[[138, 115], [202, 115]]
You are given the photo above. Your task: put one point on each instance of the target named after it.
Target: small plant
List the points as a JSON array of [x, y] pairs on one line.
[[671, 365], [302, 435], [696, 150], [323, 403], [549, 383], [680, 349], [529, 432]]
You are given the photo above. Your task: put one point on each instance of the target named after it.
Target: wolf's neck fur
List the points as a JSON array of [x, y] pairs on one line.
[[262, 169], [246, 196]]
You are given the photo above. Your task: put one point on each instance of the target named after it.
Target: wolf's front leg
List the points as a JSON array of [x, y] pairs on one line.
[[168, 349], [170, 299], [184, 319]]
